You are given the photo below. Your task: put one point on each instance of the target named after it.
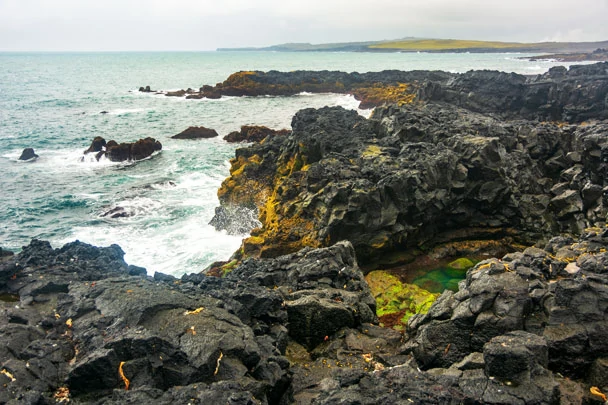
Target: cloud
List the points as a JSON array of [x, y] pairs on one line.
[[206, 24]]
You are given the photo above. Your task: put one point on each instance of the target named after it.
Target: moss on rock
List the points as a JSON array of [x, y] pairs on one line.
[[396, 302]]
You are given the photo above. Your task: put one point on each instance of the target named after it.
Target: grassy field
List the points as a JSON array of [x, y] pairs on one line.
[[448, 44], [412, 44]]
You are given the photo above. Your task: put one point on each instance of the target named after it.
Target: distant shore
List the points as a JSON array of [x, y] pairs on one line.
[[599, 55], [436, 46]]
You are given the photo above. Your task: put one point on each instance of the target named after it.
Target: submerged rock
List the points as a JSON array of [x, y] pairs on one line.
[[28, 154]]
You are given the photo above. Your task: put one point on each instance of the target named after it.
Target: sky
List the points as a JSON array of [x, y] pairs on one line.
[[148, 25]]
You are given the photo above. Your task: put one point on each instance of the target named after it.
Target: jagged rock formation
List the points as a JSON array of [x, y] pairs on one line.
[[418, 175], [573, 95], [519, 330], [79, 323]]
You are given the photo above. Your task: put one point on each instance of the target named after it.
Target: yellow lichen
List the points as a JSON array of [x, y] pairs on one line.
[[194, 312], [372, 151], [9, 375], [378, 93]]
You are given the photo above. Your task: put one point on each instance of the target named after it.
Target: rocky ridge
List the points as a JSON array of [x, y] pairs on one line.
[[573, 95]]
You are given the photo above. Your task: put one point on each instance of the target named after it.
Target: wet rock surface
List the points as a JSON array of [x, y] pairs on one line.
[[123, 152], [28, 154]]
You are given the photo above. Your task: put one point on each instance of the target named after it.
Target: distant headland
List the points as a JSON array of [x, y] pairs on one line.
[[433, 45]]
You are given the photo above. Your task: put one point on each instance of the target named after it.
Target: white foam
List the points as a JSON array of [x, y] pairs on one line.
[[123, 111], [186, 246]]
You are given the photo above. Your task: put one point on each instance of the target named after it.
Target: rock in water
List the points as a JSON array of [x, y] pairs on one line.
[[116, 152], [28, 154], [97, 145], [196, 133], [144, 148]]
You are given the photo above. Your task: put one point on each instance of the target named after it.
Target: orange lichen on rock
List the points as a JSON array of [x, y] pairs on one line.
[[122, 375], [379, 93]]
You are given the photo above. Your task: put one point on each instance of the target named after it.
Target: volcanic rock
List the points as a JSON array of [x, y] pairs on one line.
[[28, 154], [576, 94], [196, 133], [97, 145], [253, 133], [416, 175], [116, 152]]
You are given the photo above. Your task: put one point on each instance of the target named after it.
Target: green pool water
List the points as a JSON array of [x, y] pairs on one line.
[[444, 278]]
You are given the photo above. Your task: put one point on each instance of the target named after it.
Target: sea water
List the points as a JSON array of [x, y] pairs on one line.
[[57, 103]]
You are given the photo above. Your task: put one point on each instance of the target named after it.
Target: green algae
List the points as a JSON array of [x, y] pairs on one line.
[[396, 302]]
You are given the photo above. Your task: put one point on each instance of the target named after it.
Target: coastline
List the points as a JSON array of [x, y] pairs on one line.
[[470, 157]]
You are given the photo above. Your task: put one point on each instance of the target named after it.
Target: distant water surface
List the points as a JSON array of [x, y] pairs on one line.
[[53, 103]]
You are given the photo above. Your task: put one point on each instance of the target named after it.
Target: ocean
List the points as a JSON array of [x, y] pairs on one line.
[[53, 102]]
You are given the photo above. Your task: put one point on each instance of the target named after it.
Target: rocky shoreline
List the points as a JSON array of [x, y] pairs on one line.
[[452, 165]]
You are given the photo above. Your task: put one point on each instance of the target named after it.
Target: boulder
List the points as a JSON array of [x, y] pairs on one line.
[[97, 145], [28, 154], [119, 152], [144, 148], [196, 133]]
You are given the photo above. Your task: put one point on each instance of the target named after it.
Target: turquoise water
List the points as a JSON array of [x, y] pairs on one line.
[[53, 102]]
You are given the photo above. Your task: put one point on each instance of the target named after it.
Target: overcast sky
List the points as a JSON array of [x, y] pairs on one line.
[[107, 25]]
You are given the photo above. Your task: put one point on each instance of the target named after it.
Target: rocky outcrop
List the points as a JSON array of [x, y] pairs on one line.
[[88, 327], [253, 133], [28, 154], [572, 95], [81, 324], [372, 88], [122, 152], [196, 133], [414, 176]]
